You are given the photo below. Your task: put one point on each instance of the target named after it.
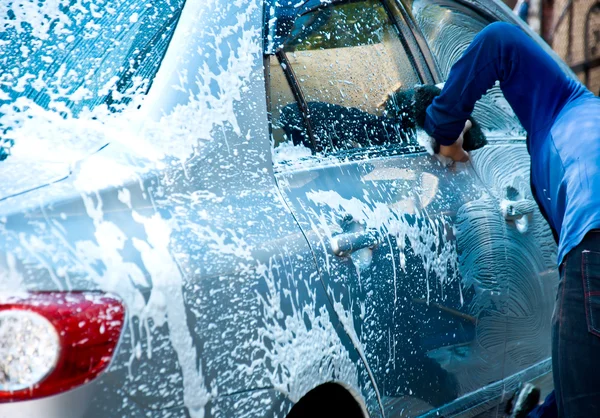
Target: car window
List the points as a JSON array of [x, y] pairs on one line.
[[449, 28], [83, 61], [346, 60]]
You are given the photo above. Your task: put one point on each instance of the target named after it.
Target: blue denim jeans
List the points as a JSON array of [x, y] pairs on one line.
[[576, 331]]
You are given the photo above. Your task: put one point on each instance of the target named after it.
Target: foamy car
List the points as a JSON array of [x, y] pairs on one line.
[[208, 210]]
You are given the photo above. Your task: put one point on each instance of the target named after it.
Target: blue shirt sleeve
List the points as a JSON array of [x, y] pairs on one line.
[[532, 83]]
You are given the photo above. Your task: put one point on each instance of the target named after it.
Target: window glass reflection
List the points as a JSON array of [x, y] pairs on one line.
[[347, 60]]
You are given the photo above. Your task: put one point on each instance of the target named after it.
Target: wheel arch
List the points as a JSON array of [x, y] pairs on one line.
[[328, 397]]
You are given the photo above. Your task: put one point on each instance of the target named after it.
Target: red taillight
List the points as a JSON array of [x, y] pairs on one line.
[[54, 341]]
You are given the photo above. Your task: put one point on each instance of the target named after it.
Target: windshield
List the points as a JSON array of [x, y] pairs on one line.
[[67, 66]]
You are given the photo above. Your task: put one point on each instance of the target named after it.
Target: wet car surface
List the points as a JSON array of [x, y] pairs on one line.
[[228, 183]]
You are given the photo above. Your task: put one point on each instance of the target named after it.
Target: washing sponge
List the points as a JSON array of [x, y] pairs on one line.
[[415, 101]]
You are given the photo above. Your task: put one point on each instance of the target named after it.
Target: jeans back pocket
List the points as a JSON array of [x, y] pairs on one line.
[[590, 265]]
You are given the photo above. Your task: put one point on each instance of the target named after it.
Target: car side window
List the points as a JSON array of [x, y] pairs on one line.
[[449, 28], [345, 60]]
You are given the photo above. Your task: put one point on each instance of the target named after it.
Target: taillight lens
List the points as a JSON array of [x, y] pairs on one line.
[[54, 341]]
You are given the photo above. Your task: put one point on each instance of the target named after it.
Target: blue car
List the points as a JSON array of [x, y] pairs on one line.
[[215, 208]]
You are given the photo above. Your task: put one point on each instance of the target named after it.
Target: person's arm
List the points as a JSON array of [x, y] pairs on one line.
[[531, 81], [469, 79]]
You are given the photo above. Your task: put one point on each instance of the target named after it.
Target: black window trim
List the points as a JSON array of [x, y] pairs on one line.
[[405, 27], [425, 52], [292, 80]]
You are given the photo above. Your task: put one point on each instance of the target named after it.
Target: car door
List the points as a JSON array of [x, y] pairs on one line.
[[503, 165], [399, 239]]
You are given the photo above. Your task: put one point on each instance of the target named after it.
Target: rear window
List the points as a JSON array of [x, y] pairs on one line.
[[68, 66]]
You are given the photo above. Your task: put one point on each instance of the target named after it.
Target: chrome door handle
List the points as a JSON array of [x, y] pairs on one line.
[[517, 211], [345, 244], [513, 210]]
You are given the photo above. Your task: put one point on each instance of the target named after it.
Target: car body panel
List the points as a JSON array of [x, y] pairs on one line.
[[235, 304], [414, 300], [184, 222], [373, 201], [503, 166], [531, 256]]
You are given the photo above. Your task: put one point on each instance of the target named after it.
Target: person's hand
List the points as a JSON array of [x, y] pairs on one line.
[[456, 151]]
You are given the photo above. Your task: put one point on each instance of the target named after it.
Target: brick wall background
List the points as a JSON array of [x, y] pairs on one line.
[[572, 28]]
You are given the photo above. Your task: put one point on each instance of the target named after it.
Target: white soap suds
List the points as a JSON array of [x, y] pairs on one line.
[[167, 296], [428, 143], [297, 345], [426, 237], [288, 152], [304, 348]]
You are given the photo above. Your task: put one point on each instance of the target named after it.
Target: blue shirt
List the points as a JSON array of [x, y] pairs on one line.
[[561, 117]]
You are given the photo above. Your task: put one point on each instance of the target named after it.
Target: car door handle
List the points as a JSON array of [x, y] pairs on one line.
[[345, 244], [516, 209]]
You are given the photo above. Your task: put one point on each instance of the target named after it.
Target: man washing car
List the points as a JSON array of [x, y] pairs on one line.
[[562, 119]]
